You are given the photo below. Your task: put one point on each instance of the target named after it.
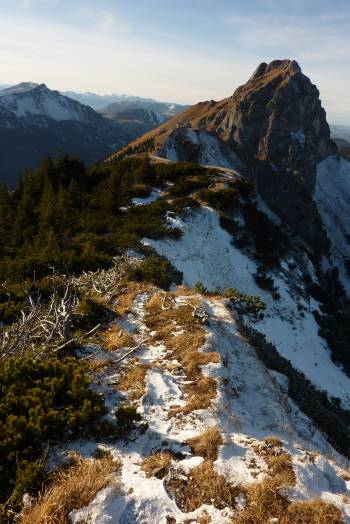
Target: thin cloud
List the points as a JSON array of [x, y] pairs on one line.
[[99, 18], [102, 49]]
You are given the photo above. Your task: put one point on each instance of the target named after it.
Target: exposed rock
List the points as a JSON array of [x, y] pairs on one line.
[[276, 125]]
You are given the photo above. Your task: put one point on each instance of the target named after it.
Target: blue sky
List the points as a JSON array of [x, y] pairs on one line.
[[180, 50]]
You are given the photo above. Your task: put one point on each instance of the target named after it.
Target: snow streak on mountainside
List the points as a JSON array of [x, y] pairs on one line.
[[332, 195], [195, 145], [205, 253]]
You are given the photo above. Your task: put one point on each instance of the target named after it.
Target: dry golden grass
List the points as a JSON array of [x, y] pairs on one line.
[[207, 443], [132, 379], [71, 488], [128, 294], [279, 462], [162, 334], [185, 347], [203, 486], [96, 365], [157, 464], [271, 440], [203, 519], [115, 338], [281, 468], [199, 396], [264, 502], [312, 512]]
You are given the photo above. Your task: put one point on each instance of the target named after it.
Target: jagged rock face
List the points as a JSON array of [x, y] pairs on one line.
[[276, 125], [277, 117]]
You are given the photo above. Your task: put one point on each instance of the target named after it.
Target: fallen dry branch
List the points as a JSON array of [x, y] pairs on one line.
[[40, 326]]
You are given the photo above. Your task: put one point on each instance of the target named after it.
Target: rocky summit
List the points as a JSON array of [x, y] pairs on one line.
[[275, 125]]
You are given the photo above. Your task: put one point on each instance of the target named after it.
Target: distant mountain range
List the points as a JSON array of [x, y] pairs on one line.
[[135, 115], [341, 136], [36, 121], [101, 102]]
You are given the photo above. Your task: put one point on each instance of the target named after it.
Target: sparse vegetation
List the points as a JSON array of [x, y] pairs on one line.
[[279, 462], [157, 464], [71, 487], [115, 338], [207, 443], [132, 379], [265, 502], [313, 512], [325, 412], [186, 348], [203, 486]]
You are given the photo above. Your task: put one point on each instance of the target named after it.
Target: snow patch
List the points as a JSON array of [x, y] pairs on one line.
[[205, 253], [332, 195]]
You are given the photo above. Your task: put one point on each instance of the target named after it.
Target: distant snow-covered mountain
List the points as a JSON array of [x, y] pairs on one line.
[[36, 121], [28, 100]]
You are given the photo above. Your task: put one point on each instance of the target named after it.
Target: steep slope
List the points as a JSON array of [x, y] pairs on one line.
[[332, 195], [205, 254], [277, 127]]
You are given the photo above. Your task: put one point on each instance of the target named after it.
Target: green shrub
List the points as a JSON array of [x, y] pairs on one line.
[[244, 186], [222, 200], [157, 271], [253, 304], [200, 288], [89, 313], [229, 224], [127, 418], [264, 281], [41, 402]]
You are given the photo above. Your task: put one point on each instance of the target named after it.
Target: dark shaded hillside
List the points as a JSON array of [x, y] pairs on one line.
[[25, 147], [343, 147]]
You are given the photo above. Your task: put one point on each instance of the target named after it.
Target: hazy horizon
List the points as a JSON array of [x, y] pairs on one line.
[[178, 53]]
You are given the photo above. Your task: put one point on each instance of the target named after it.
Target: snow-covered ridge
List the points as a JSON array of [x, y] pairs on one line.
[[205, 253], [251, 404]]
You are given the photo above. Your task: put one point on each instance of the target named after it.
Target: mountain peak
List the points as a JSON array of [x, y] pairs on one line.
[[22, 87], [276, 125], [285, 66]]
